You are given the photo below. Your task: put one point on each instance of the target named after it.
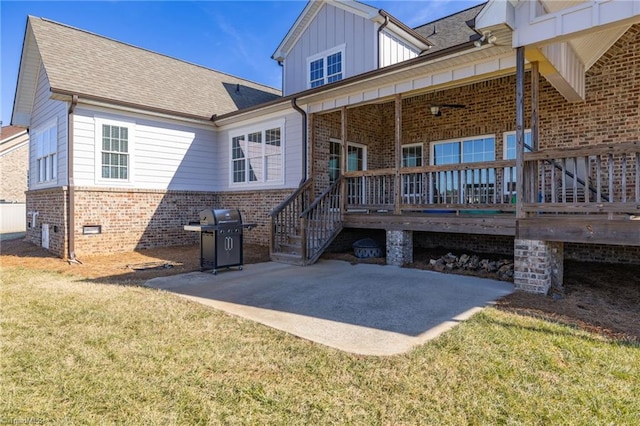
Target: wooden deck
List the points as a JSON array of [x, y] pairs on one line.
[[460, 223], [596, 229]]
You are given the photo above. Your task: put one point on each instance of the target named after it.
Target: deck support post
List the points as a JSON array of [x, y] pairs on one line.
[[398, 154], [343, 158], [399, 247], [311, 131], [538, 265], [520, 175]]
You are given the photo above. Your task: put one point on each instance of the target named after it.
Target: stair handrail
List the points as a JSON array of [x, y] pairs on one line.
[[318, 199], [320, 237], [303, 187]]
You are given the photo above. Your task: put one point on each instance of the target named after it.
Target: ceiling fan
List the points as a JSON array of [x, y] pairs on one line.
[[436, 109]]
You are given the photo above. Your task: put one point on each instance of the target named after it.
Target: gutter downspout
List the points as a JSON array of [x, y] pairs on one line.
[[380, 28], [71, 218], [305, 138]]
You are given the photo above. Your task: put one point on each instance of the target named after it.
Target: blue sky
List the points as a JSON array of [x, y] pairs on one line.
[[235, 37]]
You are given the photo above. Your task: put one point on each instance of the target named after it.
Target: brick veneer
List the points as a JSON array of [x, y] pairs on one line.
[[135, 219], [255, 207], [50, 206], [13, 172]]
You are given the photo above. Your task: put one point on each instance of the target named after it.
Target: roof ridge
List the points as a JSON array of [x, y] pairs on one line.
[[150, 51], [484, 2]]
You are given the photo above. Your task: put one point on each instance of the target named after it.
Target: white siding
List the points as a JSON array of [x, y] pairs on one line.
[[332, 27], [292, 142], [394, 50], [164, 154], [46, 110]]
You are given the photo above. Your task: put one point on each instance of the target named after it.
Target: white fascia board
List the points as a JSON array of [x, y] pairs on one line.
[[27, 81], [408, 38], [309, 13], [496, 13], [594, 15]]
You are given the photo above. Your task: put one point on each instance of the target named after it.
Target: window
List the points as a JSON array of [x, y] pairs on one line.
[[326, 67], [468, 150], [412, 155], [356, 158], [509, 153], [46, 143], [472, 185], [411, 183], [257, 156], [115, 152]]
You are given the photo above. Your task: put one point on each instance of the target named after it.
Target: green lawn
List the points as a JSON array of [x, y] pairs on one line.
[[74, 352]]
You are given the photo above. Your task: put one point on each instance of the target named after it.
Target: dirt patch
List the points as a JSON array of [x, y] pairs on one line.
[[132, 268], [604, 298]]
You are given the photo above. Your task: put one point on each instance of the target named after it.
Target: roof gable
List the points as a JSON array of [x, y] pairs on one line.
[[82, 63], [368, 12]]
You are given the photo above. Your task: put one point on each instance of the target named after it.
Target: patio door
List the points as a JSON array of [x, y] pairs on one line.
[[356, 161]]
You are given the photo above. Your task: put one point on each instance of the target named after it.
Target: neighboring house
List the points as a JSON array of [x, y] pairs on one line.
[[14, 164], [512, 126], [14, 171]]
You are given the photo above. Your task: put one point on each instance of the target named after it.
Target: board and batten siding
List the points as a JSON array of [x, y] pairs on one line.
[[332, 27], [393, 49], [164, 154], [292, 151], [46, 111]]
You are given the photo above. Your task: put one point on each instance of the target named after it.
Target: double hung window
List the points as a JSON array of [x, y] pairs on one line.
[[326, 67], [115, 152], [46, 143]]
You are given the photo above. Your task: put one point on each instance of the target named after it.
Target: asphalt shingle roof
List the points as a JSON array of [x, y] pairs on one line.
[[81, 62], [451, 30]]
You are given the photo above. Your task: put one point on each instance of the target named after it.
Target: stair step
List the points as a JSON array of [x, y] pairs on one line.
[[291, 248], [291, 259]]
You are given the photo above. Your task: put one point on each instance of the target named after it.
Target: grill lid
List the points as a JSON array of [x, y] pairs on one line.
[[220, 217]]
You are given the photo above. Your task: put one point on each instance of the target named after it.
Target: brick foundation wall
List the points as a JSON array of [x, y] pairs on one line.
[[51, 208], [136, 219], [255, 207], [602, 253]]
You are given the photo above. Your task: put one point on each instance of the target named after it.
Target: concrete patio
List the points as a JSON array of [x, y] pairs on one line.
[[363, 309]]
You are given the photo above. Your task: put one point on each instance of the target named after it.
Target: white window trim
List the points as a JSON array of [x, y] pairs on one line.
[[505, 182], [504, 142], [258, 127], [433, 144], [414, 145], [54, 166], [323, 55], [131, 126], [355, 145]]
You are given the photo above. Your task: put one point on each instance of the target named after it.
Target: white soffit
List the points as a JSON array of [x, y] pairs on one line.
[[566, 20]]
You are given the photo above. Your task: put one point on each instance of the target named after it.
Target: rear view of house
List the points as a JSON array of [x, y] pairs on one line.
[[512, 126]]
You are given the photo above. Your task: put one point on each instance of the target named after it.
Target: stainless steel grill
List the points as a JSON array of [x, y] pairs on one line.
[[220, 238]]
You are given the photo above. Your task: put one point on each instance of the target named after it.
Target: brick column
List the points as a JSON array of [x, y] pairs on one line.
[[538, 265], [399, 247]]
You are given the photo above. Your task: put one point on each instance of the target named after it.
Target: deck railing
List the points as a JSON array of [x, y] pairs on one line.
[[285, 219], [321, 222], [595, 179], [455, 186]]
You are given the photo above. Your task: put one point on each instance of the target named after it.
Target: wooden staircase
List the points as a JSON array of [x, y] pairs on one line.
[[302, 229]]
